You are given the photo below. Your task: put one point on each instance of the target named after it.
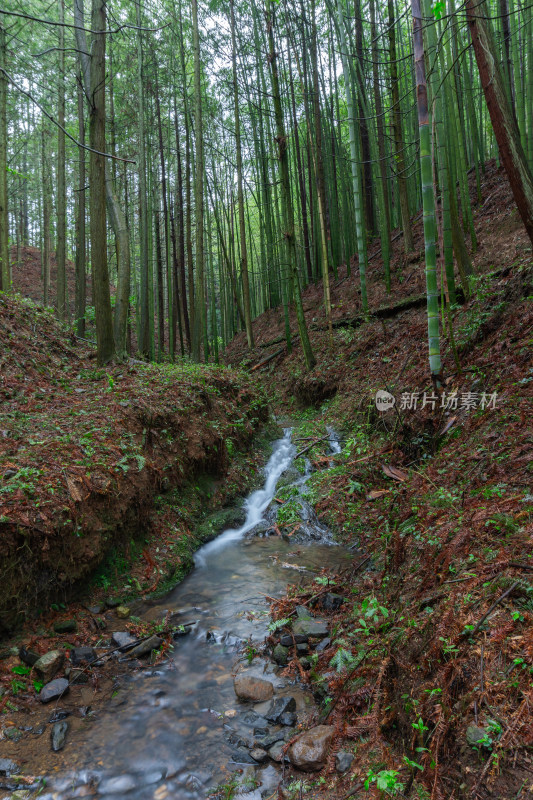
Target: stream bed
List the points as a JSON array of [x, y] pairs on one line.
[[173, 730]]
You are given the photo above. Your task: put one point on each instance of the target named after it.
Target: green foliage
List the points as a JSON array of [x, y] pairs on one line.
[[275, 625]]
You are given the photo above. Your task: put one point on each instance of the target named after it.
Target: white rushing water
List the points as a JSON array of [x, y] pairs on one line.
[[258, 502]]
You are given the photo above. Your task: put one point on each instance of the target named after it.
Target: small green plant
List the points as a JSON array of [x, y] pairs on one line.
[[275, 625], [386, 780], [250, 652]]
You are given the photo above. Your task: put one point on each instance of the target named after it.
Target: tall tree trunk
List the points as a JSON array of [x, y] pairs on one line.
[[80, 224], [45, 254], [288, 212], [181, 234], [97, 178], [363, 124], [61, 284], [5, 272], [145, 310], [501, 114], [240, 192], [200, 326], [399, 157], [428, 198]]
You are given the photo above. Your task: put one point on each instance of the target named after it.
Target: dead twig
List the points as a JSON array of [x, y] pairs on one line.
[[491, 609]]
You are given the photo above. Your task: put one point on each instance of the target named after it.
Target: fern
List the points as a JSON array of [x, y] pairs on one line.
[[342, 659], [277, 624]]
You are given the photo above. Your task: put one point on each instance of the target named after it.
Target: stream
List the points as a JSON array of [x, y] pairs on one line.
[[173, 730]]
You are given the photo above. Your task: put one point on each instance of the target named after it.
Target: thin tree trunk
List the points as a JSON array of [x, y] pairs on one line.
[[501, 114], [5, 272], [200, 322], [61, 284], [80, 299]]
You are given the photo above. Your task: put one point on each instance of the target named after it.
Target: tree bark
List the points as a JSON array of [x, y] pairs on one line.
[[501, 114]]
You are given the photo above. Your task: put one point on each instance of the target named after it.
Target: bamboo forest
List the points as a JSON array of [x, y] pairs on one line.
[[266, 391]]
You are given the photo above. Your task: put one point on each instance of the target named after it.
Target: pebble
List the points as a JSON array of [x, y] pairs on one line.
[[7, 767], [279, 706], [66, 626], [258, 754], [343, 761], [49, 665], [53, 690], [118, 785], [250, 687], [78, 655], [122, 639], [28, 656], [59, 735], [123, 612]]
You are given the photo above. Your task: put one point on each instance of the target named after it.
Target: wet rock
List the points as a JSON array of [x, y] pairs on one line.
[[258, 754], [112, 602], [66, 626], [49, 665], [310, 750], [255, 721], [146, 647], [275, 752], [287, 640], [288, 719], [80, 655], [343, 761], [59, 735], [321, 646], [252, 688], [123, 612], [123, 639], [58, 715], [96, 609], [8, 767], [305, 662], [242, 756], [310, 627], [269, 779], [265, 742], [28, 656], [331, 602], [302, 649], [475, 736], [53, 690], [302, 612], [279, 706], [280, 654], [117, 785], [21, 794]]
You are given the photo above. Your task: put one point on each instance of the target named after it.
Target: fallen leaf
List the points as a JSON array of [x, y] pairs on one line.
[[394, 473], [448, 425], [74, 490], [375, 493]]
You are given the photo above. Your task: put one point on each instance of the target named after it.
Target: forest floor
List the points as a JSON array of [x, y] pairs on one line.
[[428, 679], [435, 501]]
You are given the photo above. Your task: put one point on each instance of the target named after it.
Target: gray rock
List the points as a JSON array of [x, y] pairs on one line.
[[475, 736], [28, 656], [287, 640], [267, 741], [310, 750], [288, 719], [123, 639], [279, 706], [343, 761], [252, 688], [53, 690], [117, 785], [302, 612], [317, 628], [242, 756], [321, 646], [66, 626], [49, 665], [281, 654], [8, 767], [275, 752], [96, 609], [331, 602], [269, 779], [259, 755], [78, 676], [146, 647], [59, 735], [79, 655], [302, 649], [258, 723]]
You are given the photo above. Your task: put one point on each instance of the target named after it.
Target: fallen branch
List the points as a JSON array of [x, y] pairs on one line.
[[493, 606], [317, 441], [267, 359]]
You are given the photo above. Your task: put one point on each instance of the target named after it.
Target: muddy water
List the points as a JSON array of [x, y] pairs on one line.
[[170, 731]]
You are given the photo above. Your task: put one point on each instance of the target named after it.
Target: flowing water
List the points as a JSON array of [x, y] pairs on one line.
[[169, 731]]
